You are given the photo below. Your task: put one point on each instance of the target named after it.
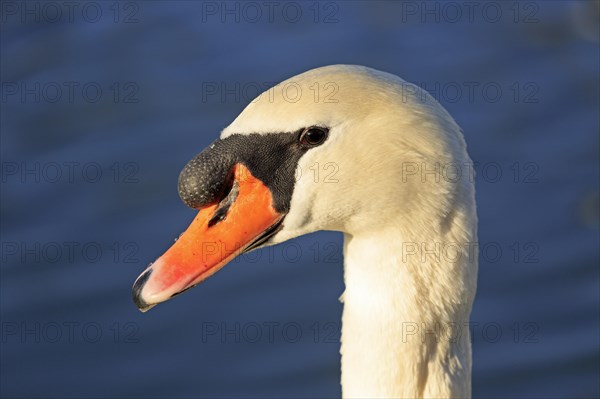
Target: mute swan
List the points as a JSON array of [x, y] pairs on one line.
[[410, 273]]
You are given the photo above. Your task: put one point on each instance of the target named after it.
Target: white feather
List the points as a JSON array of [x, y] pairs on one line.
[[382, 127]]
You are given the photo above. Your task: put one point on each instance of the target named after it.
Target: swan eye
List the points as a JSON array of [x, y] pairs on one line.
[[313, 136]]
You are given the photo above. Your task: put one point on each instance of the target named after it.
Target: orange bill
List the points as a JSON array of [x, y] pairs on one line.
[[218, 233]]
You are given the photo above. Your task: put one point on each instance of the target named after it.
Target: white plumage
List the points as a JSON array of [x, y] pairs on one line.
[[410, 231]]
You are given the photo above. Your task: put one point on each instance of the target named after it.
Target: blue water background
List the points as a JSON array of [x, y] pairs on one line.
[[536, 312]]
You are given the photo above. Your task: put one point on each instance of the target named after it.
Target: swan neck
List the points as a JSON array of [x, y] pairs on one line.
[[405, 322]]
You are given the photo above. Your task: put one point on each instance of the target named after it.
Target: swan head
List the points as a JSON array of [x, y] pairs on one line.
[[344, 148]]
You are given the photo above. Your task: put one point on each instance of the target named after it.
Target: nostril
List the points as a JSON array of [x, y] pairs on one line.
[[229, 196]]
